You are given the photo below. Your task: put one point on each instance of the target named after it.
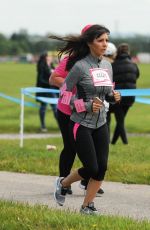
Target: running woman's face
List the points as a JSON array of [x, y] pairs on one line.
[[99, 45]]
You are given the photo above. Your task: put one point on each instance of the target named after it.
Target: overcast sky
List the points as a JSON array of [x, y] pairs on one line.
[[67, 16]]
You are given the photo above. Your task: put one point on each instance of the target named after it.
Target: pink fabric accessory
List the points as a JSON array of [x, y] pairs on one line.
[[63, 89], [61, 71], [64, 108], [66, 97], [75, 129], [61, 68], [85, 28], [79, 105]]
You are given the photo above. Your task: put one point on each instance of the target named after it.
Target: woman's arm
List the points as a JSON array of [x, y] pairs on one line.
[[59, 74], [56, 79], [71, 81]]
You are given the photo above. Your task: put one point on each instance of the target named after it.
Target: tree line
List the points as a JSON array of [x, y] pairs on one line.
[[22, 43]]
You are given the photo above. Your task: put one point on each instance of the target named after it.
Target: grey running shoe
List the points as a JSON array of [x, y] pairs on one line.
[[89, 210], [60, 192]]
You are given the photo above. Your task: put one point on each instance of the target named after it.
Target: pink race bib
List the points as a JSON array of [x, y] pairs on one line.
[[79, 105], [66, 97], [100, 77]]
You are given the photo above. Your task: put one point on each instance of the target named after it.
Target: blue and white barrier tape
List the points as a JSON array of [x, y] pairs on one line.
[[17, 100], [28, 92], [134, 92], [143, 100], [38, 90], [50, 100]]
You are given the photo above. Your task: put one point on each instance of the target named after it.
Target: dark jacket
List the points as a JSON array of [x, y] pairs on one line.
[[125, 74], [43, 74]]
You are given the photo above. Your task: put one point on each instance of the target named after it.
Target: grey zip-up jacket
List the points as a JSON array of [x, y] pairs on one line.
[[80, 77]]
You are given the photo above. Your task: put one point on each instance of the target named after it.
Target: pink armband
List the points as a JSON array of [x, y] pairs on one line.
[[66, 97], [79, 105], [63, 89]]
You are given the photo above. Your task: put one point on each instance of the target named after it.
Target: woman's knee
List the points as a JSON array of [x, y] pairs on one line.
[[93, 171], [100, 173]]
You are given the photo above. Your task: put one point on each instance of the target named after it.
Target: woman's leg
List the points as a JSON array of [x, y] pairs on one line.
[[101, 142], [68, 153], [42, 111], [120, 126], [126, 109], [90, 160], [86, 153], [92, 188], [71, 178], [54, 106], [108, 122]]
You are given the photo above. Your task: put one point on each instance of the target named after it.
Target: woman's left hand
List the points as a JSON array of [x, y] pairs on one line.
[[117, 96]]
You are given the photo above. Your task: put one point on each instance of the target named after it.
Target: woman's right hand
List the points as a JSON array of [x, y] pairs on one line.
[[96, 107]]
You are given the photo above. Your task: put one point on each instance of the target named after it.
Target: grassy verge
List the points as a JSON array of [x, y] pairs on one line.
[[18, 216], [14, 77], [127, 163]]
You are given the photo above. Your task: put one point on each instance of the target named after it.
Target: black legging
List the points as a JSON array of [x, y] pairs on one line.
[[92, 148], [120, 113], [68, 153], [108, 122], [42, 111]]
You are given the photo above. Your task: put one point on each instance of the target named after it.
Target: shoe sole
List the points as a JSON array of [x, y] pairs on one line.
[[89, 213], [82, 186], [98, 195]]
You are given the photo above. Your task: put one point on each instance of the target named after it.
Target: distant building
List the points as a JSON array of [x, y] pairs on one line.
[[143, 57], [26, 58]]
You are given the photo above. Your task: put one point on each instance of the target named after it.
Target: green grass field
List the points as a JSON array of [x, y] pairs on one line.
[[15, 216], [16, 76], [127, 163]]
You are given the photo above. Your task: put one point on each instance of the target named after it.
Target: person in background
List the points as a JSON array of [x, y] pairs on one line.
[[111, 52], [43, 73], [87, 71], [110, 55], [125, 75]]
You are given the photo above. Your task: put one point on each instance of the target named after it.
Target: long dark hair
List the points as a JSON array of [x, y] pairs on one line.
[[76, 46], [42, 61]]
